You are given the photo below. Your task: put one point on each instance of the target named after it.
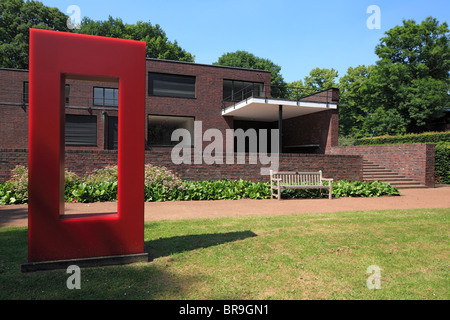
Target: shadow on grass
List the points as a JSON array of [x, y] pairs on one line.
[[167, 246], [135, 281]]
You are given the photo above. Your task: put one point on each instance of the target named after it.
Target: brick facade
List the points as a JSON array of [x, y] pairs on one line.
[[415, 161], [205, 107], [83, 162], [320, 128]]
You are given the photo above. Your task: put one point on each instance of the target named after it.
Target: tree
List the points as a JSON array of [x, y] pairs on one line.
[[16, 18], [320, 79], [244, 59], [158, 45], [410, 82], [353, 100]]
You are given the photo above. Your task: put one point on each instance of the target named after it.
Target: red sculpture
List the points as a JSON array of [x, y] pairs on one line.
[[55, 57]]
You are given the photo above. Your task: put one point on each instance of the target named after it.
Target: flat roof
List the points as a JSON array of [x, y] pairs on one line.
[[206, 65], [172, 61], [12, 69], [266, 109]]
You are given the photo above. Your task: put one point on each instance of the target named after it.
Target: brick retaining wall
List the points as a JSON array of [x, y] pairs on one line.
[[415, 161], [84, 161]]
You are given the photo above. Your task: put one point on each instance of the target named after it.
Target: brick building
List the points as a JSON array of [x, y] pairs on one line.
[[178, 95]]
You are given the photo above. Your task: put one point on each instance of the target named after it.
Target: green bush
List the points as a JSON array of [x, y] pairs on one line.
[[442, 164], [226, 189], [163, 185], [15, 190], [428, 137], [344, 188]]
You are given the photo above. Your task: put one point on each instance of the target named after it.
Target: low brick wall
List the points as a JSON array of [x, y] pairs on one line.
[[81, 162], [415, 161]]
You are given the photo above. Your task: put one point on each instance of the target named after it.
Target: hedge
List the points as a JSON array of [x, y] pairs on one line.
[[442, 163], [427, 137]]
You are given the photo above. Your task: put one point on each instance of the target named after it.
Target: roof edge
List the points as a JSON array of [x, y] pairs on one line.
[[206, 65]]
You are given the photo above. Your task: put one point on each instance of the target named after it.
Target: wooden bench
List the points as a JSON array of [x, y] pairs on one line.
[[297, 180]]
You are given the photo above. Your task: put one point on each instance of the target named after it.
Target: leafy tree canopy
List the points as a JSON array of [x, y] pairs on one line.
[[353, 100], [158, 45], [244, 59], [410, 82], [319, 79], [16, 18]]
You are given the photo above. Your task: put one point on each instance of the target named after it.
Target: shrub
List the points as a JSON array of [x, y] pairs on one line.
[[428, 137], [344, 188], [15, 190], [226, 189], [442, 163], [345, 141], [163, 185]]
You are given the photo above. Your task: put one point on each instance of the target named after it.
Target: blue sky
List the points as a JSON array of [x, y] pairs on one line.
[[295, 34]]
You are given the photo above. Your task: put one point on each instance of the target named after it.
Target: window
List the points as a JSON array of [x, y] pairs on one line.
[[67, 94], [112, 133], [234, 90], [81, 130], [160, 129], [25, 93], [170, 85], [107, 97]]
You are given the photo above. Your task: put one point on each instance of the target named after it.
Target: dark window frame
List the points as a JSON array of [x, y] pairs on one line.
[[105, 102], [111, 135], [26, 92], [235, 95], [184, 77], [94, 142], [167, 116]]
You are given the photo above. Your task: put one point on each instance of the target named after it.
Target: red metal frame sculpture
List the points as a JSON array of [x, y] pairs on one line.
[[55, 57]]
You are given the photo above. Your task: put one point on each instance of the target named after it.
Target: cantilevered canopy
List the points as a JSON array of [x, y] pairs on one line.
[[267, 109]]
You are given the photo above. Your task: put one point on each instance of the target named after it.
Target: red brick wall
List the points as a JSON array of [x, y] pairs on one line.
[[321, 128], [85, 161], [13, 114], [207, 106], [415, 161]]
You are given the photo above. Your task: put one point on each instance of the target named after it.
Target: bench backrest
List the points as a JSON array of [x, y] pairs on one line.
[[292, 178]]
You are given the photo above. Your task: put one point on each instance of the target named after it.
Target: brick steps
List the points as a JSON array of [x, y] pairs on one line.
[[373, 172]]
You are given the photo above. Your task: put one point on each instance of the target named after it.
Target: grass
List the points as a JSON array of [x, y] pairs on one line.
[[307, 256]]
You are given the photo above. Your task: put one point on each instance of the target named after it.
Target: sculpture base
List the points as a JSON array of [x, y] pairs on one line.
[[85, 262]]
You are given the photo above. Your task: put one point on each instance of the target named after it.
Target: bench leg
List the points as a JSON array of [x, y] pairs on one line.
[[329, 192], [279, 193]]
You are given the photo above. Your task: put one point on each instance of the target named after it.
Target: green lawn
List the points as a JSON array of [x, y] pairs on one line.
[[306, 256]]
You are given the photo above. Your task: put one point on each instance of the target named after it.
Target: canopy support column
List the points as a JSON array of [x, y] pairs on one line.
[[280, 128]]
